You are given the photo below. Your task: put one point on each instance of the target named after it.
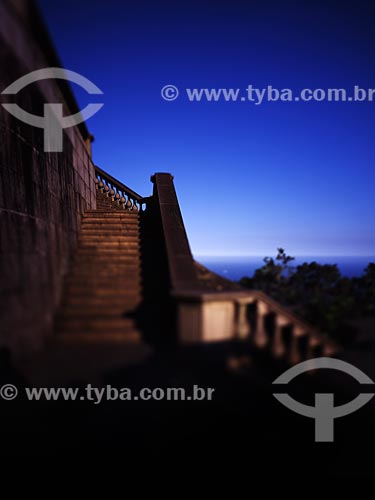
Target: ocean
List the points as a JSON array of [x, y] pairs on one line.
[[235, 268]]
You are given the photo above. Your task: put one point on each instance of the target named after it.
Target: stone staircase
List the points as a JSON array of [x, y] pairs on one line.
[[133, 288], [103, 286], [96, 330]]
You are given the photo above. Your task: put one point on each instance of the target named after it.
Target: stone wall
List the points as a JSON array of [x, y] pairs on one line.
[[42, 195]]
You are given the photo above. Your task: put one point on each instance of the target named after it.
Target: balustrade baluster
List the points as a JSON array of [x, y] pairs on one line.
[[278, 346], [260, 337], [243, 325]]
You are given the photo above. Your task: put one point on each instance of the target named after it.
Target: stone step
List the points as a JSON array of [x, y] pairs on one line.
[[110, 223], [125, 306], [103, 266], [109, 236], [110, 275], [94, 260], [114, 214], [117, 214], [112, 219], [79, 292], [129, 281], [106, 215], [99, 237], [111, 246], [87, 222], [118, 231], [117, 299], [115, 233], [115, 245], [100, 303], [85, 238], [124, 242], [116, 226], [93, 210], [75, 293], [98, 288], [107, 270], [110, 271], [89, 286], [104, 207], [90, 309], [107, 260], [108, 204], [107, 229], [95, 325], [113, 337], [107, 257], [100, 256], [108, 251]]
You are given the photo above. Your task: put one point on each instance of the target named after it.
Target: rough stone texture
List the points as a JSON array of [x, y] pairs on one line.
[[42, 195], [103, 289]]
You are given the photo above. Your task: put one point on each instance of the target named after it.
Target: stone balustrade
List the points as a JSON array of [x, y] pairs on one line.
[[249, 316], [216, 316], [119, 194]]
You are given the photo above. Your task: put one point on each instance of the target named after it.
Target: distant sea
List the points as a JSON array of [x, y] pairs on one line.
[[235, 268]]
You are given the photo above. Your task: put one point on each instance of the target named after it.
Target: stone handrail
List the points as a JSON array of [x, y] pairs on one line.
[[213, 316], [182, 273], [118, 192]]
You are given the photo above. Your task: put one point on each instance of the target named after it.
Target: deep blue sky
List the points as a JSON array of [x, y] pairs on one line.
[[249, 178]]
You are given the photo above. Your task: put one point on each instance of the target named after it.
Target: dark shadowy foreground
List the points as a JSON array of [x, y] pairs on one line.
[[243, 422]]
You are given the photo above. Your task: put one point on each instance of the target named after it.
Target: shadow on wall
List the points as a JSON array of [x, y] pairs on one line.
[[156, 315], [42, 195]]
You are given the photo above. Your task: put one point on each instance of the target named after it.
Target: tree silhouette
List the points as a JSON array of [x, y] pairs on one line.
[[317, 292]]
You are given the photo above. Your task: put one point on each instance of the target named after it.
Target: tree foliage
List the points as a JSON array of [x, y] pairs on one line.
[[317, 292]]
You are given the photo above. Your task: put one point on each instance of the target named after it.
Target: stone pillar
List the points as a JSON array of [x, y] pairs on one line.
[[295, 356], [329, 348], [314, 342], [278, 347], [243, 326], [260, 337]]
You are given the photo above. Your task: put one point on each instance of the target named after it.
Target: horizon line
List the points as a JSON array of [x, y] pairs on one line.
[[196, 255]]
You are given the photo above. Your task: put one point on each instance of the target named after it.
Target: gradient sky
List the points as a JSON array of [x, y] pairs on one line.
[[249, 178]]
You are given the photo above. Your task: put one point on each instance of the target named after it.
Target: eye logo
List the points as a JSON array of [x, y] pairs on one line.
[[324, 412], [53, 122]]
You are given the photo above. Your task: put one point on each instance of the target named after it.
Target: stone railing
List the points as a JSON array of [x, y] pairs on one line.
[[118, 193], [202, 315], [214, 316], [182, 274], [248, 316]]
